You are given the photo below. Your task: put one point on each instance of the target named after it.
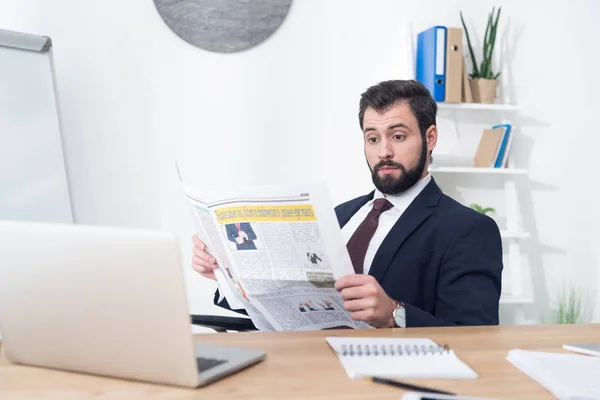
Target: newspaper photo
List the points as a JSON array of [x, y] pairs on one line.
[[279, 251]]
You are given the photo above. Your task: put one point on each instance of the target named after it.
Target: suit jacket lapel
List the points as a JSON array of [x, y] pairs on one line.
[[417, 212], [347, 211]]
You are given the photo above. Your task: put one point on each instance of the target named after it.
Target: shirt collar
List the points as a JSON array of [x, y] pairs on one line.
[[403, 200]]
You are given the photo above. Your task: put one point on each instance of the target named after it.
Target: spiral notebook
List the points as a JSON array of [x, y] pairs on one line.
[[398, 358]]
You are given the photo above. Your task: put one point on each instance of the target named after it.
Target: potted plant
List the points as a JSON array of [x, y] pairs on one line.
[[484, 81], [569, 309]]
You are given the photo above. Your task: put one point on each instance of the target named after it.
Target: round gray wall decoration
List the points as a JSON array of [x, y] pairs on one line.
[[223, 26]]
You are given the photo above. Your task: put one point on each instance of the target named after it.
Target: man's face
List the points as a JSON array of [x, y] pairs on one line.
[[396, 152]]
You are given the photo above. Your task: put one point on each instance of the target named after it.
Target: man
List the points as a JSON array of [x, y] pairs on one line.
[[242, 235], [313, 257], [421, 258]]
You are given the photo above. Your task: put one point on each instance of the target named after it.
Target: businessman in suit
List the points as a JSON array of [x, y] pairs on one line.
[[242, 235], [313, 258], [420, 257]]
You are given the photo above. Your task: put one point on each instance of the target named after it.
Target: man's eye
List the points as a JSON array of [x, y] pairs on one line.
[[372, 139], [398, 137]]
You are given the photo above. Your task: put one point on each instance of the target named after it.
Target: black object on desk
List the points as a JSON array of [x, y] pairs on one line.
[[223, 324], [408, 386]]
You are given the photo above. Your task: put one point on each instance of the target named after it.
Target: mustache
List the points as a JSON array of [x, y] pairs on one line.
[[388, 163]]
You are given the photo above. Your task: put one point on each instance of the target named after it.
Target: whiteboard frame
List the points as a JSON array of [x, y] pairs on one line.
[[42, 44]]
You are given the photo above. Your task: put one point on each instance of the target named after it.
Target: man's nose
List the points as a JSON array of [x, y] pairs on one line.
[[385, 150]]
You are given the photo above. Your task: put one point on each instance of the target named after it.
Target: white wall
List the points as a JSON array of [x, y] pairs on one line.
[[135, 98]]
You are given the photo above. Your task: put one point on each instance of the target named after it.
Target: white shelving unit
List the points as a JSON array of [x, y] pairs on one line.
[[513, 234], [515, 300], [478, 106], [478, 170]]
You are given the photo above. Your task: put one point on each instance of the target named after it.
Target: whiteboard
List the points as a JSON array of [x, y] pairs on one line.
[[33, 176]]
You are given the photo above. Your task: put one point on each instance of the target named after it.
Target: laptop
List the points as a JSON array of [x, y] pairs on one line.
[[105, 301]]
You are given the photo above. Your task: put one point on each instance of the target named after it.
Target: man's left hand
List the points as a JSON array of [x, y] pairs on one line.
[[366, 300]]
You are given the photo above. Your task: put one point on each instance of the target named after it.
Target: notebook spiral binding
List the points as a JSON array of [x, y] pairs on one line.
[[391, 350]]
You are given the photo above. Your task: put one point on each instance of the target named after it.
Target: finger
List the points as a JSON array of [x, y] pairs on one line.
[[210, 275], [360, 304], [351, 293], [203, 270], [211, 265], [199, 244], [352, 280], [367, 315], [200, 268], [206, 271], [196, 240], [198, 262], [205, 256], [202, 254]]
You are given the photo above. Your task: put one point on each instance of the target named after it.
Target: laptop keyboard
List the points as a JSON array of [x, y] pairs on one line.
[[208, 363]]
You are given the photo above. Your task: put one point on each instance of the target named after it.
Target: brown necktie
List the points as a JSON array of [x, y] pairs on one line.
[[359, 242]]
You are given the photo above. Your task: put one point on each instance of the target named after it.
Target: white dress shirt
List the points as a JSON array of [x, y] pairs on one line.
[[386, 220]]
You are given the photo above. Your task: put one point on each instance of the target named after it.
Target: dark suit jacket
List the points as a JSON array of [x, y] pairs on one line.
[[232, 234], [442, 260]]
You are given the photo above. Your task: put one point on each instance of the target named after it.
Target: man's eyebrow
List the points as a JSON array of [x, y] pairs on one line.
[[389, 128], [398, 125]]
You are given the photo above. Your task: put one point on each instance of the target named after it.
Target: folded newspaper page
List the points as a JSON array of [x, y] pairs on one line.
[[279, 251]]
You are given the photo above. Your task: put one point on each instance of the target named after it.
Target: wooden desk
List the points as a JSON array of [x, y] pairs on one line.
[[300, 365]]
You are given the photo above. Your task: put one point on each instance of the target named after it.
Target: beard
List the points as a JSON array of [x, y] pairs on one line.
[[388, 184]]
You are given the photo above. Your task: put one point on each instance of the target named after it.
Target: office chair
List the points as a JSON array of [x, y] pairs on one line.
[[223, 324]]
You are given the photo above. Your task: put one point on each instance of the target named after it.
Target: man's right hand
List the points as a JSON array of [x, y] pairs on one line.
[[202, 261]]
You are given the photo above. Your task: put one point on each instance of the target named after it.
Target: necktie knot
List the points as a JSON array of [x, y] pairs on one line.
[[382, 205]]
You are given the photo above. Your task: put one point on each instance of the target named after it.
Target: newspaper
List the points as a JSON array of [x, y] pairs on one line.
[[279, 251]]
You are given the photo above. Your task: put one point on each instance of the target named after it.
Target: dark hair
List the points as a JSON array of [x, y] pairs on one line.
[[385, 94]]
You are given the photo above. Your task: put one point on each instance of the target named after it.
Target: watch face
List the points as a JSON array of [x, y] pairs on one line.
[[400, 316]]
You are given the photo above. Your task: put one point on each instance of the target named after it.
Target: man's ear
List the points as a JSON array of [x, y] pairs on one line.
[[431, 137]]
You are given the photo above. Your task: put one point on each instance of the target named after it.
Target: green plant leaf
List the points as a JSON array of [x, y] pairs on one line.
[[486, 45], [486, 35], [492, 44], [481, 209], [475, 73], [569, 308], [484, 70]]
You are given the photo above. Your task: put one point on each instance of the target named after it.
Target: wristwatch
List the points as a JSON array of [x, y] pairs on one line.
[[399, 316]]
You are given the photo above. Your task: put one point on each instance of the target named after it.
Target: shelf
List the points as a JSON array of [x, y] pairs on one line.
[[514, 235], [477, 106], [478, 170], [515, 300]]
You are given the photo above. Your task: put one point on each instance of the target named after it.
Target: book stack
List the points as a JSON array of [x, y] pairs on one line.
[[494, 147]]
